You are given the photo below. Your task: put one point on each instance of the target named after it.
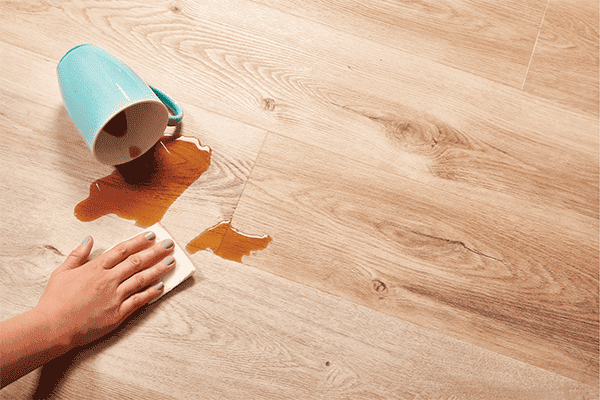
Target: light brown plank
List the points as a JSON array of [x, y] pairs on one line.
[[522, 287], [60, 380], [469, 35], [47, 170], [313, 83], [234, 332], [507, 151], [564, 66], [49, 142]]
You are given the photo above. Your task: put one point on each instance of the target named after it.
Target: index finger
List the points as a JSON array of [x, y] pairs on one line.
[[121, 251]]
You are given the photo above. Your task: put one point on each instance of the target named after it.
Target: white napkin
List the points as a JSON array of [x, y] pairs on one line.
[[184, 268]]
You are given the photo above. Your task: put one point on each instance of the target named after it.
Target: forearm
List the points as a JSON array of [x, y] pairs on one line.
[[90, 298], [28, 341]]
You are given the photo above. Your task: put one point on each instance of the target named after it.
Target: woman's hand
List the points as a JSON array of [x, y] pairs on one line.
[[83, 301], [87, 300]]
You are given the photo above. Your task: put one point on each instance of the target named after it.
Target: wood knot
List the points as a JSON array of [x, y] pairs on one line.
[[175, 9], [379, 286], [328, 363], [268, 104], [404, 128]]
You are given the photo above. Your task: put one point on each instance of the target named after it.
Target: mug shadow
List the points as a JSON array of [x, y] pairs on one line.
[[53, 374]]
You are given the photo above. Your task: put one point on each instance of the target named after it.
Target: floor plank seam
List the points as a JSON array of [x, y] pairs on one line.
[[537, 38], [249, 175]]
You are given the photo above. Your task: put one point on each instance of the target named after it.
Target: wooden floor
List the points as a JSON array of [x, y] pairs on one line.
[[427, 172]]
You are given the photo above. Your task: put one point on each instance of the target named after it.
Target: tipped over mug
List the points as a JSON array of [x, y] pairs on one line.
[[118, 115]]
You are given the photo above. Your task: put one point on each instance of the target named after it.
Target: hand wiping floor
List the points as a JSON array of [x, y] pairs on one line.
[[184, 268]]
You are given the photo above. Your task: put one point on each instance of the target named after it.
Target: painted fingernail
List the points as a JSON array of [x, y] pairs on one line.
[[150, 235], [167, 244], [160, 286], [169, 260], [87, 239]]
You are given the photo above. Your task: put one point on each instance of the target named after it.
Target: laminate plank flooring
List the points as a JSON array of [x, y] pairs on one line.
[[399, 172], [50, 143], [427, 256], [564, 65], [467, 35], [236, 332], [351, 97]]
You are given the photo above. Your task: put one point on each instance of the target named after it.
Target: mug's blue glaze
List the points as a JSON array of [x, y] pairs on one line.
[[95, 86]]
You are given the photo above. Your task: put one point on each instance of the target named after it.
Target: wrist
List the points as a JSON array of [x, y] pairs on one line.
[[52, 331], [28, 341]]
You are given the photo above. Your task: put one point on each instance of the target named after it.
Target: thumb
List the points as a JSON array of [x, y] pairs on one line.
[[79, 255]]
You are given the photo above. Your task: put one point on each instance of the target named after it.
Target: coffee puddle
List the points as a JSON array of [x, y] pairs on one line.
[[143, 189], [227, 242]]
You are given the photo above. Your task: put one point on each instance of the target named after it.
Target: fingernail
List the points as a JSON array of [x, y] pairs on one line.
[[87, 239], [150, 235], [167, 244], [160, 286], [169, 260]]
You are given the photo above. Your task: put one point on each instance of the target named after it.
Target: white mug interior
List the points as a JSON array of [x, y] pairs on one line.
[[130, 132]]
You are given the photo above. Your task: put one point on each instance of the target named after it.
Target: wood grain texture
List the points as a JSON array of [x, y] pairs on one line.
[[47, 169], [564, 66], [426, 191], [51, 142], [316, 85], [468, 35], [428, 256], [236, 332]]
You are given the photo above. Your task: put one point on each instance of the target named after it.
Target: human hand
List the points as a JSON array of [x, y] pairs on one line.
[[89, 299]]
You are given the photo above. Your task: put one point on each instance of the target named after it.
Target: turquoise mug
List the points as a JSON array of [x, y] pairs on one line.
[[119, 116]]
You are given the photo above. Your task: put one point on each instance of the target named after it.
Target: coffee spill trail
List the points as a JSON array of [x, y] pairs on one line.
[[227, 242], [143, 189]]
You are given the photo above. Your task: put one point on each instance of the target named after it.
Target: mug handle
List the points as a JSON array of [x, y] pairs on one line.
[[171, 105]]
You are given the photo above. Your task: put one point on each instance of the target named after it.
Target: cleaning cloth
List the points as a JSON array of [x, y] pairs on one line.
[[184, 268]]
